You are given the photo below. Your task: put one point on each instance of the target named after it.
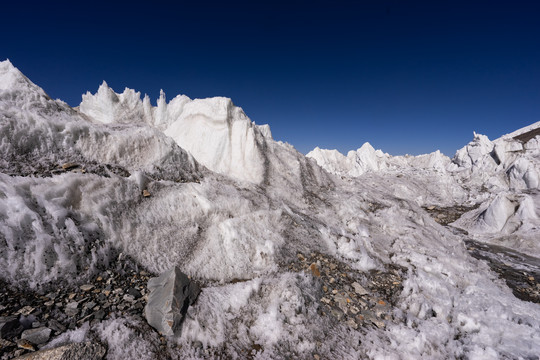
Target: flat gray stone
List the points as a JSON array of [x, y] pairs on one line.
[[72, 308], [359, 289], [37, 336], [86, 287], [170, 295], [75, 351]]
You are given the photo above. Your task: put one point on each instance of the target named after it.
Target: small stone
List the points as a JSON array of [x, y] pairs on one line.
[[129, 298], [325, 288], [71, 296], [99, 278], [342, 303], [531, 278], [315, 270], [381, 302], [71, 309], [25, 344], [359, 289], [90, 305], [106, 292], [99, 315], [325, 300], [86, 287], [334, 291], [332, 280], [26, 310], [36, 324], [37, 336], [431, 207], [301, 257], [49, 303], [333, 266], [135, 293], [145, 193], [378, 323], [316, 357], [352, 323], [354, 310], [56, 326], [336, 313], [69, 166]]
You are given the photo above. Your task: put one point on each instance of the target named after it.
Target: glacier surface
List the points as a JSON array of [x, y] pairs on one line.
[[233, 208]]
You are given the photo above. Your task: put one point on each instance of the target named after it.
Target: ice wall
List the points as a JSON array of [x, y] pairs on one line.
[[217, 133]]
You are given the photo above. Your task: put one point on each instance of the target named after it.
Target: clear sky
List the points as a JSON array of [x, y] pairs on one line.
[[407, 76]]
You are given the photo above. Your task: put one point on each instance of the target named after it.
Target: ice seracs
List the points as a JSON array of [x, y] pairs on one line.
[[217, 133], [367, 159]]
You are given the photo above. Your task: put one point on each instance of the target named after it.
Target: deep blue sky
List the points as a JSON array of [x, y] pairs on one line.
[[409, 77]]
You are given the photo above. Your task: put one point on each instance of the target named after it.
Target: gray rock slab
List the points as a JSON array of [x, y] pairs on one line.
[[75, 351], [37, 336], [359, 289], [170, 295]]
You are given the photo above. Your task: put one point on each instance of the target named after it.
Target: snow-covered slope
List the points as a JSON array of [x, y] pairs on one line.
[[242, 214]]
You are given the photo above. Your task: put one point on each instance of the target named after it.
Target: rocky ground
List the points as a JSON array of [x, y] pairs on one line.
[[29, 321], [447, 215], [355, 298]]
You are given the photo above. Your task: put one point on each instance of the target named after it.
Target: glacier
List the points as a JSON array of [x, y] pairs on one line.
[[236, 210]]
